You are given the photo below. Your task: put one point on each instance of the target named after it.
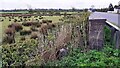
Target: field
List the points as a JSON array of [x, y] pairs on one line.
[[6, 22], [0, 29], [14, 12], [52, 36], [57, 40]]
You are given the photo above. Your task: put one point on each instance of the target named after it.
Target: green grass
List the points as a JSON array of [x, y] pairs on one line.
[[0, 56], [53, 18], [0, 30], [68, 12], [6, 22], [0, 44]]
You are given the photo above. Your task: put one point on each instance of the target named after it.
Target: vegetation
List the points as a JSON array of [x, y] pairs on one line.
[[14, 12], [0, 56], [0, 30], [107, 37], [57, 40], [18, 53], [108, 56]]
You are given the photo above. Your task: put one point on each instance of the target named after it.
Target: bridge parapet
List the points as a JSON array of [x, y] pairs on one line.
[[96, 33], [115, 33]]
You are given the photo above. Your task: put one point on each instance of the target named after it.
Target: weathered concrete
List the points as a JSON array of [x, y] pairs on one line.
[[117, 39], [115, 30], [96, 33], [115, 35], [112, 34], [119, 20]]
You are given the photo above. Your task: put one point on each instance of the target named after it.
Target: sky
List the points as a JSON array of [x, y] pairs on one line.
[[46, 4]]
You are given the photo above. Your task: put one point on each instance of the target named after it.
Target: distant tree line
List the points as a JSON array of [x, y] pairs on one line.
[[102, 10], [43, 10], [110, 8], [13, 10]]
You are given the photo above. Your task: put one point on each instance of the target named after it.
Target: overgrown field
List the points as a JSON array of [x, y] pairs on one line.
[[57, 40], [0, 29]]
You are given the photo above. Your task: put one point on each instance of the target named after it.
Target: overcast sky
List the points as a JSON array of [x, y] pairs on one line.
[[65, 4]]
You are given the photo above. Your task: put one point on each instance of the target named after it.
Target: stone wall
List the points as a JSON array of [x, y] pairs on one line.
[[96, 33]]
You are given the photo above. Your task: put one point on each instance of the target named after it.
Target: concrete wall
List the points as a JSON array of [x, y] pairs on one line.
[[119, 20], [117, 39], [96, 33]]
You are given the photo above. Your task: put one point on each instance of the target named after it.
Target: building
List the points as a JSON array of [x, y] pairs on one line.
[[117, 9]]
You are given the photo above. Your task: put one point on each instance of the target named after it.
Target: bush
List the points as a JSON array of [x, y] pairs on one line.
[[17, 26], [40, 17], [27, 23], [9, 19], [25, 17], [30, 24], [39, 25], [15, 20], [2, 20], [10, 26], [21, 19], [8, 39], [25, 32], [34, 35], [10, 31], [35, 23], [19, 53], [50, 21], [28, 19], [29, 16], [33, 28], [46, 21], [22, 38], [36, 19], [51, 25], [107, 36]]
